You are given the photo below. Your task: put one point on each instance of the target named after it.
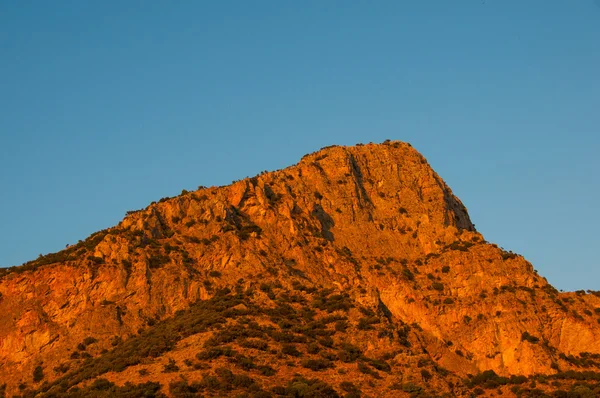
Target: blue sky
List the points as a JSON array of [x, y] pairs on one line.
[[107, 106]]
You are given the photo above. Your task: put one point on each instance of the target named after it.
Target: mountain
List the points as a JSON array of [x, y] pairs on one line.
[[356, 272]]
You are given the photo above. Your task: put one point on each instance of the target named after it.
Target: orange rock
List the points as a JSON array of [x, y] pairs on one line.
[[373, 220]]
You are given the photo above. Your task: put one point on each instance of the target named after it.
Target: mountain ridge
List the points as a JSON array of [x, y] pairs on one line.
[[372, 221]]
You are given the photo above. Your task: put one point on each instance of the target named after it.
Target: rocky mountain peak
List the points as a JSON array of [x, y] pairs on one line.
[[368, 237]]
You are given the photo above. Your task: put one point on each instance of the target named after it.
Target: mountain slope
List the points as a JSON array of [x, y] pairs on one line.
[[373, 222]]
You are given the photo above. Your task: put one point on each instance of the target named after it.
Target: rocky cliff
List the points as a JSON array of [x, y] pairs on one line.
[[372, 222]]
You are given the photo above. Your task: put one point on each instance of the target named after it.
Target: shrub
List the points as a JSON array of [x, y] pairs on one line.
[[349, 387], [183, 389], [341, 326], [101, 385], [170, 367], [38, 374], [256, 344], [290, 349], [527, 337], [508, 255], [407, 274], [437, 286], [365, 323], [380, 365], [90, 340], [61, 369], [157, 260], [331, 303], [349, 353], [104, 388], [426, 375], [301, 387], [244, 362], [242, 381], [459, 245], [364, 368], [317, 364], [326, 341], [313, 348], [487, 378], [190, 223], [216, 352], [266, 370]]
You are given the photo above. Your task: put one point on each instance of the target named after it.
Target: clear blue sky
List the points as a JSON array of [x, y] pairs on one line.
[[106, 106]]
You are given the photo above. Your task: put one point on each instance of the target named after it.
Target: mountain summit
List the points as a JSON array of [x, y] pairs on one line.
[[356, 272]]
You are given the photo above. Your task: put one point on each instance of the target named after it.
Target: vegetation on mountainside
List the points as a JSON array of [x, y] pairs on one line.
[[71, 253], [314, 340], [245, 344]]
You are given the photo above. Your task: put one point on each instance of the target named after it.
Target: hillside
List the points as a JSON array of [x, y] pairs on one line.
[[355, 272]]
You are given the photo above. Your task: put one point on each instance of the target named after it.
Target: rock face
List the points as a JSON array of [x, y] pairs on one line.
[[374, 221]]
